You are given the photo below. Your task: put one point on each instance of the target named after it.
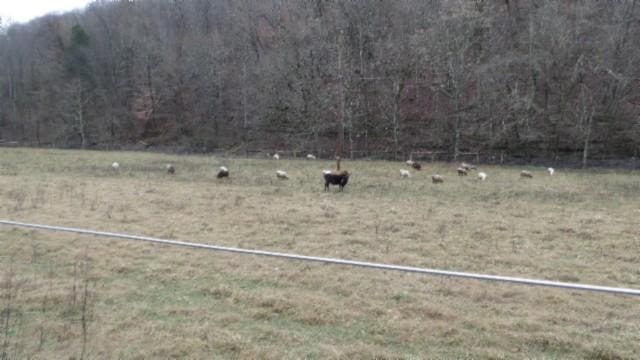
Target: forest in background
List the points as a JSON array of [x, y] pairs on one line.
[[531, 79]]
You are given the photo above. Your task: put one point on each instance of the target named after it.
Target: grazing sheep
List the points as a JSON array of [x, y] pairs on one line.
[[526, 174], [462, 171], [437, 179], [223, 172], [467, 167], [482, 176], [311, 157], [170, 169], [281, 174], [405, 173], [551, 171], [416, 166], [410, 162], [115, 166], [276, 156]]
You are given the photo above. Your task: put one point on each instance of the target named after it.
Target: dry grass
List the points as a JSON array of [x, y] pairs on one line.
[[134, 300]]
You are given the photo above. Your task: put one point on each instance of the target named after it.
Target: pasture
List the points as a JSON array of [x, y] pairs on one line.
[[74, 296]]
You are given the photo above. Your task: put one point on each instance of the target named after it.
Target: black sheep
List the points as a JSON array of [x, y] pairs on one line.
[[223, 172], [336, 178]]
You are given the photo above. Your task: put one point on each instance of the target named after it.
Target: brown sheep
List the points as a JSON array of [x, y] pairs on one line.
[[526, 174], [462, 171], [437, 179]]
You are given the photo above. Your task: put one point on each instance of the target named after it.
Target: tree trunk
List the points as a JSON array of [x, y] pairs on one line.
[[80, 118], [587, 111], [341, 110], [244, 103], [587, 141], [458, 125], [456, 139], [398, 85]]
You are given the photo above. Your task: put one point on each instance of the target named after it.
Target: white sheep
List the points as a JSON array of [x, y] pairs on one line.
[[410, 162], [311, 157], [276, 156], [281, 174], [551, 171], [405, 173], [467, 167], [482, 176], [437, 179], [115, 166]]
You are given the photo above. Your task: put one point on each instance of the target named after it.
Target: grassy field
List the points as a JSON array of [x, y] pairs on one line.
[[74, 296]]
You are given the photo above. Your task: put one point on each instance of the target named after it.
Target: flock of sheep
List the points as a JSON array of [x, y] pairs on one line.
[[463, 170], [341, 177]]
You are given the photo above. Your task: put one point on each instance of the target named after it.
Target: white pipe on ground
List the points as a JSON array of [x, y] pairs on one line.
[[466, 275]]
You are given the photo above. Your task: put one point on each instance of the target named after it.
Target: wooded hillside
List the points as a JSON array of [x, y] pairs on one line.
[[538, 78]]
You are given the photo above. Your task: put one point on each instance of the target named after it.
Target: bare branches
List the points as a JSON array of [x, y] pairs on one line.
[[450, 75]]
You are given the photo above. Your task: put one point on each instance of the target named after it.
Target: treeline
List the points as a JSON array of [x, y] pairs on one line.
[[533, 78]]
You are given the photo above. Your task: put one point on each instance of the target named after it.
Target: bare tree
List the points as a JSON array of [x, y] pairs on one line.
[[452, 75]]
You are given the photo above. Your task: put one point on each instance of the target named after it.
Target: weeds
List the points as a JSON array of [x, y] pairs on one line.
[[19, 198], [9, 292]]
